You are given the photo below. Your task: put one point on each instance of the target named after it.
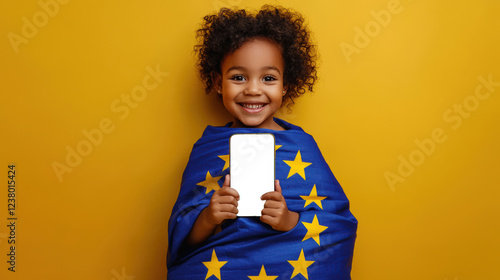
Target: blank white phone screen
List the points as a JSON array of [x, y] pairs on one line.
[[251, 160]]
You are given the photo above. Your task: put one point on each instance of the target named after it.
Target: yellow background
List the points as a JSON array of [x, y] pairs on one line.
[[107, 219]]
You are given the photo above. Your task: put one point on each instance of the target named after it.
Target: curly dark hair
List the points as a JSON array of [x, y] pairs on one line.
[[224, 32]]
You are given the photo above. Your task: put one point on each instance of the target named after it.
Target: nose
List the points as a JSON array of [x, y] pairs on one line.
[[253, 88]]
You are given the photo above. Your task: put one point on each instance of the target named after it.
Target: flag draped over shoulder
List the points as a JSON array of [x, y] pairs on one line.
[[320, 246]]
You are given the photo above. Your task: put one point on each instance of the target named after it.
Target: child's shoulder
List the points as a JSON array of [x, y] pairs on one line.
[[213, 133], [288, 127]]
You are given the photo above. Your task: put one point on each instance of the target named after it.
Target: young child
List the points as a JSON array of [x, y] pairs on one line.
[[259, 63]]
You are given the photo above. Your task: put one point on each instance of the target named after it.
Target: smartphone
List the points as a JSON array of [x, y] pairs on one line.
[[252, 169]]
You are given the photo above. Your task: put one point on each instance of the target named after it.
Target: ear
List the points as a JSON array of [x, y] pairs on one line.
[[285, 90], [217, 82]]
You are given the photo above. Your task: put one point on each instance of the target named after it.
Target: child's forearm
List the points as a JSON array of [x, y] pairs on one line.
[[291, 221], [201, 230]]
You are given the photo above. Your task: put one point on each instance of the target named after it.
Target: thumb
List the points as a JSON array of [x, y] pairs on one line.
[[226, 182], [277, 186]]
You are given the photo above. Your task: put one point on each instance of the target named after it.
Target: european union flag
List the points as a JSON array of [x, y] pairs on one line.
[[319, 247]]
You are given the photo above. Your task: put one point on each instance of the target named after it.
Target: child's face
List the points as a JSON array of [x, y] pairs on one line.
[[252, 84]]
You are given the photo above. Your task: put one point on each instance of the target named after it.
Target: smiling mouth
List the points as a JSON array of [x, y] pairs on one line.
[[252, 106]]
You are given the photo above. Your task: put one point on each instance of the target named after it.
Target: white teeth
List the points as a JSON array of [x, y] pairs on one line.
[[253, 106]]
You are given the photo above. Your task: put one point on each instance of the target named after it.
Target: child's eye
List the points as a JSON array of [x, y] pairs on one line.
[[269, 78], [238, 78]]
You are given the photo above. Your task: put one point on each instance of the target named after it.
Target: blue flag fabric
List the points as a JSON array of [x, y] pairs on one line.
[[320, 246]]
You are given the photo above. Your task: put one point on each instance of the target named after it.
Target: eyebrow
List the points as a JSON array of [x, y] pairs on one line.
[[243, 68]]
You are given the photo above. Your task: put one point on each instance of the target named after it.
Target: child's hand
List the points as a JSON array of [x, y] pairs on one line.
[[223, 204], [275, 212]]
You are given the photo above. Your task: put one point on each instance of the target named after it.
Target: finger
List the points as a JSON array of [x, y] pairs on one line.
[[277, 186], [269, 212], [229, 192], [274, 212], [231, 216], [272, 196], [218, 213], [226, 215], [226, 208], [273, 204], [227, 199], [226, 183], [268, 220]]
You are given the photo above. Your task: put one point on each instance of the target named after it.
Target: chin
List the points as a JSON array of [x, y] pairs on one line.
[[251, 123]]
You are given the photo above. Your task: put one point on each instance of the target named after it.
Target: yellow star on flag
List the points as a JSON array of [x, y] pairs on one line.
[[210, 183], [313, 229], [297, 166], [301, 265], [262, 275], [225, 158], [313, 198], [276, 147], [214, 266]]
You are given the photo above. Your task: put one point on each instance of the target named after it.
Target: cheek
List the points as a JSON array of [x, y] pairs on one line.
[[227, 101], [279, 98], [224, 100], [280, 103]]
